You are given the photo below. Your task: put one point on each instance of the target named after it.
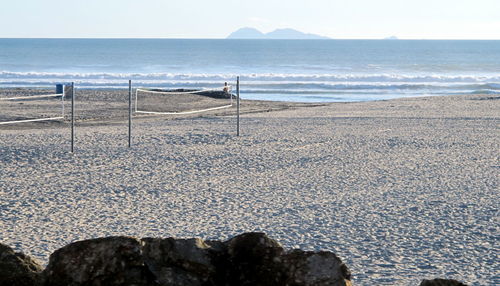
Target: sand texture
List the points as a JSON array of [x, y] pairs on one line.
[[400, 190]]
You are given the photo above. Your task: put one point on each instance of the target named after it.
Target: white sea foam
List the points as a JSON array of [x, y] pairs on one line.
[[272, 84], [383, 77]]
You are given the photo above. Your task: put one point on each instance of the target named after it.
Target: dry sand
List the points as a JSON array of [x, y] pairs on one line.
[[401, 190]]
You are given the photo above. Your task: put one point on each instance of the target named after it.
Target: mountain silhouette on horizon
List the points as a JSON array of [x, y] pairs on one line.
[[281, 34]]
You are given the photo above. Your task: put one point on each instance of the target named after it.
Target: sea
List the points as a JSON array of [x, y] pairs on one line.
[[280, 70]]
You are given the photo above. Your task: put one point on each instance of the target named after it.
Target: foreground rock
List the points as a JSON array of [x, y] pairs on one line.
[[441, 282], [247, 259], [180, 261], [255, 259], [315, 268], [102, 261], [17, 269]]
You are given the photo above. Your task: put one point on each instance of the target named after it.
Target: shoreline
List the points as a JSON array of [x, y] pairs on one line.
[[117, 99], [123, 88]]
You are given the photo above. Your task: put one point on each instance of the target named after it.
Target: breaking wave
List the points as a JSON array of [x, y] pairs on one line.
[[297, 87]]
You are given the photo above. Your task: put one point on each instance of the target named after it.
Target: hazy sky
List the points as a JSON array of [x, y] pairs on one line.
[[366, 19]]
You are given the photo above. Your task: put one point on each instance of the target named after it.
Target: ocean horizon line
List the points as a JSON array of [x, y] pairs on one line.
[[226, 39]]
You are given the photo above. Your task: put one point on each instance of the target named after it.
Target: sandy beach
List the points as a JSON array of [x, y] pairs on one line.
[[400, 190]]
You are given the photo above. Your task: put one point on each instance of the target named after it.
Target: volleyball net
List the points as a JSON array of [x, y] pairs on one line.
[[21, 106], [34, 105], [182, 101]]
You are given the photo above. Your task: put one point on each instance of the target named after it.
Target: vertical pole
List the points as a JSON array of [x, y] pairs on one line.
[[62, 99], [129, 113], [136, 91], [238, 106], [72, 117]]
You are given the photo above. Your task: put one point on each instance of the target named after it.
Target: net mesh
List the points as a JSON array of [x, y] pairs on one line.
[[182, 101], [25, 105], [94, 106]]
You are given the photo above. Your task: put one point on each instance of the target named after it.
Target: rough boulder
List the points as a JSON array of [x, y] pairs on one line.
[[17, 269], [247, 259]]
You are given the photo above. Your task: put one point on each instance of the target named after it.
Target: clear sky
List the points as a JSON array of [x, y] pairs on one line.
[[341, 19]]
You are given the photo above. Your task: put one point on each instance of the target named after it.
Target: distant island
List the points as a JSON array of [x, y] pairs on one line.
[[279, 34]]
